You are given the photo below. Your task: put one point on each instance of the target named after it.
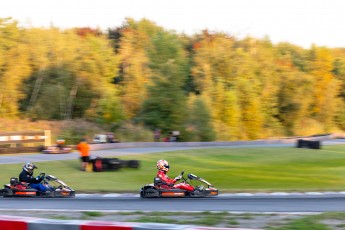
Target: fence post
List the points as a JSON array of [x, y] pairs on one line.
[[47, 140]]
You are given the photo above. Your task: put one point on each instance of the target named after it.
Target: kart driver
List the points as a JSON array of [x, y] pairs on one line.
[[163, 168], [27, 176]]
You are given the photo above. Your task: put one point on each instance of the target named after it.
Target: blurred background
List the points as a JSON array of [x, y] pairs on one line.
[[139, 78]]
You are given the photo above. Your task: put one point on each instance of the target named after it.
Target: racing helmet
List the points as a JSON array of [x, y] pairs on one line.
[[163, 165], [29, 167]]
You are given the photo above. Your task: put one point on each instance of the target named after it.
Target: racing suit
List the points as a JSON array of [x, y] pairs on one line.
[[169, 183], [33, 182]]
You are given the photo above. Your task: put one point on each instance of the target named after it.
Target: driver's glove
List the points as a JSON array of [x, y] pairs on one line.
[[178, 177]]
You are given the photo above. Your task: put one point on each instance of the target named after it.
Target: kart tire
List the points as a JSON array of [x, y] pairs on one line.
[[47, 194], [133, 164], [6, 192], [111, 164], [198, 193], [149, 193]]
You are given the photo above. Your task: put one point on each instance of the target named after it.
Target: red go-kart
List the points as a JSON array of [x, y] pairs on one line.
[[192, 186], [21, 189]]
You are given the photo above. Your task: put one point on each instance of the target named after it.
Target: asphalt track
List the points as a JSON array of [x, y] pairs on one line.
[[132, 202], [300, 204]]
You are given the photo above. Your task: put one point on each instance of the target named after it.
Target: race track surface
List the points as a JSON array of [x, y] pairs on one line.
[[222, 203]]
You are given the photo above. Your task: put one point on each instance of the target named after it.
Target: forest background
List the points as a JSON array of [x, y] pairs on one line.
[[139, 77]]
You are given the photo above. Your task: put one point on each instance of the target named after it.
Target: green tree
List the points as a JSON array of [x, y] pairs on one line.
[[73, 76], [135, 73], [200, 126], [95, 69], [165, 106]]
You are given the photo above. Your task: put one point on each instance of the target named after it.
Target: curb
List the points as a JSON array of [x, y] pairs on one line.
[[27, 223]]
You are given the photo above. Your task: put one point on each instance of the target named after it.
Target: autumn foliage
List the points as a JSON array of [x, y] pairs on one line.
[[209, 86]]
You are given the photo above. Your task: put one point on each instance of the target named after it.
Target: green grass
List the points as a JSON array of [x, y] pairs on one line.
[[228, 169], [93, 214], [155, 219], [306, 223]]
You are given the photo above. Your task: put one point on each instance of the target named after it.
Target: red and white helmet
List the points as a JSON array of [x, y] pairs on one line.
[[163, 165]]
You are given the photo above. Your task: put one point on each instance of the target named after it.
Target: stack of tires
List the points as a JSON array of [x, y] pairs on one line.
[[112, 164], [308, 144]]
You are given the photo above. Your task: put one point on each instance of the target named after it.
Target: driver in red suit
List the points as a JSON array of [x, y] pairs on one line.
[[163, 168]]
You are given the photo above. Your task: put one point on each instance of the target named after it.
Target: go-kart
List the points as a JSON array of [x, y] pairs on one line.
[[56, 150], [57, 188], [189, 187]]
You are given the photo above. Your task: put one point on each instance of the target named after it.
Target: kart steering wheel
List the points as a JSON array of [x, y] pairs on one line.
[[182, 175], [42, 175]]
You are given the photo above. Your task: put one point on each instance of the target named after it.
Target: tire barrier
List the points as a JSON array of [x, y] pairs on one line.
[[28, 223], [308, 144]]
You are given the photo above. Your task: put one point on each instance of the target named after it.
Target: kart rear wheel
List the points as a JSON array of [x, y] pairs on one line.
[[149, 193], [133, 164]]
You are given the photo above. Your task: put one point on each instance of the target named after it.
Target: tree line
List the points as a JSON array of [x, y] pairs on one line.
[[209, 86]]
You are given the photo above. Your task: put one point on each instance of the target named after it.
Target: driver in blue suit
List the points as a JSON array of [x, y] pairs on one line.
[[34, 182]]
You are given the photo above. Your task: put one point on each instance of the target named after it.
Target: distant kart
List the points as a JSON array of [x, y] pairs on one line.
[[21, 189], [160, 189], [56, 150], [59, 148], [112, 164]]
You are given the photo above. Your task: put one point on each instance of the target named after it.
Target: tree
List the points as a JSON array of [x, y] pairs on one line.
[[72, 76], [165, 107], [225, 72], [14, 67], [200, 126], [326, 87], [135, 73]]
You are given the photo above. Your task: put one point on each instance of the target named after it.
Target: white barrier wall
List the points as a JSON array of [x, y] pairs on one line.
[[26, 137]]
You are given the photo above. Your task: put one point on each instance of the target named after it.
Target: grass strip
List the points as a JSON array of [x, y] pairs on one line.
[[228, 169]]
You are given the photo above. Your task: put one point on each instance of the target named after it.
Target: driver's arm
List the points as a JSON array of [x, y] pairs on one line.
[[29, 179], [166, 179]]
